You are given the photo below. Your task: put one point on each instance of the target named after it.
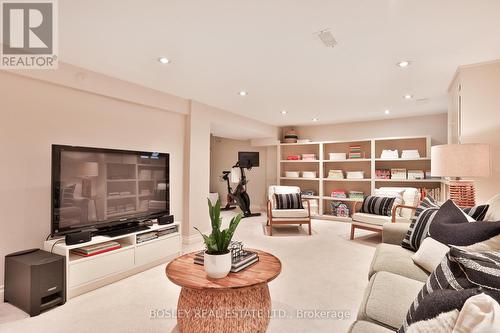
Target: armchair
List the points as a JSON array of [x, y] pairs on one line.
[[401, 213], [286, 216]]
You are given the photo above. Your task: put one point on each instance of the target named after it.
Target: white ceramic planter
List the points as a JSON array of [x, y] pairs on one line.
[[217, 266]]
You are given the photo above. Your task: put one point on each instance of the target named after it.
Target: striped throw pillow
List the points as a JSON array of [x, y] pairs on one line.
[[478, 213], [377, 205], [462, 273], [425, 214], [419, 226], [288, 201]]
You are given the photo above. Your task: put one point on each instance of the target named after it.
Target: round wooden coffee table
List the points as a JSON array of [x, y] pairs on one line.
[[240, 302]]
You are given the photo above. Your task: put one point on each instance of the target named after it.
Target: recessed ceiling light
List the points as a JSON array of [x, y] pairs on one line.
[[283, 112], [164, 60], [403, 64], [243, 93], [387, 111], [408, 96], [315, 119]]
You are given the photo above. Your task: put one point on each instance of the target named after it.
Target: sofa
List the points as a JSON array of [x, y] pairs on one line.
[[394, 282]]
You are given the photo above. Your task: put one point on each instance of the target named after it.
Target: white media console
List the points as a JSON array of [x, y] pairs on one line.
[[87, 273]]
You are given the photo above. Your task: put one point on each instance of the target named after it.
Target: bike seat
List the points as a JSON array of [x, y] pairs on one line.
[[226, 172]]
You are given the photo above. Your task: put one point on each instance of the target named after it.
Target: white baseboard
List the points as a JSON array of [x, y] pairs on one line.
[[1, 293], [191, 239]]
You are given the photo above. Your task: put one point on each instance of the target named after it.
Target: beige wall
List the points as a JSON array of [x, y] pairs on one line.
[[224, 154], [35, 115], [481, 118], [204, 120], [434, 125]]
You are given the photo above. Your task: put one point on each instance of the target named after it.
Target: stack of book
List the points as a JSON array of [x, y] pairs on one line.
[[239, 263], [355, 151], [92, 250], [336, 174], [340, 194], [383, 174], [355, 174], [146, 236], [356, 195], [398, 173]]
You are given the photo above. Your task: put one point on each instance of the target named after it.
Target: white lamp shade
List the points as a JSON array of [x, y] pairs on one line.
[[461, 160], [89, 169]]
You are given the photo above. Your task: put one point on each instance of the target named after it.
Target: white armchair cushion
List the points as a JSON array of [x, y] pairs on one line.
[[275, 189], [289, 213], [376, 219]]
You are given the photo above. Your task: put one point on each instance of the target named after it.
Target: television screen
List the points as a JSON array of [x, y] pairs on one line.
[[248, 159], [94, 187]]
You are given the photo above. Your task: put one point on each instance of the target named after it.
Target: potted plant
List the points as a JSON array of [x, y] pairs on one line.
[[217, 258]]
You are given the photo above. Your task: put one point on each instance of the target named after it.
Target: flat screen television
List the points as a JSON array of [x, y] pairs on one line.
[[248, 159], [97, 187]]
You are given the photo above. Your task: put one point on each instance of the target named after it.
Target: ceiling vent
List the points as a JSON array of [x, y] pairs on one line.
[[327, 38]]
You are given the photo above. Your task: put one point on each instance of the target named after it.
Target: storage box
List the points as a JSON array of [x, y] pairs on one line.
[[355, 174], [292, 174], [337, 156], [308, 174], [308, 157], [336, 174], [410, 154], [398, 174], [416, 174]]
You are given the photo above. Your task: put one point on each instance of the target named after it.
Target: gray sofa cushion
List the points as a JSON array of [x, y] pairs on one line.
[[388, 298], [394, 259], [362, 326]]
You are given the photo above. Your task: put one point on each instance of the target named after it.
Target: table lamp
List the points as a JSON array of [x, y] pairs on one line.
[[455, 161]]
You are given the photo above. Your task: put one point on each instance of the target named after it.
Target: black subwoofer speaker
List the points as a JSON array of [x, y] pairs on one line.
[[35, 280], [166, 219]]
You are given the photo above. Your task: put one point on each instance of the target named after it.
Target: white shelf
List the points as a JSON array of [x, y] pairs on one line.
[[342, 199], [300, 161], [311, 197], [348, 180], [299, 178], [348, 160], [299, 144], [402, 159], [409, 180]]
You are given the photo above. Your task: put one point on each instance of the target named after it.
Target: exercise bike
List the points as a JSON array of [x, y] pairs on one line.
[[229, 198], [239, 196]]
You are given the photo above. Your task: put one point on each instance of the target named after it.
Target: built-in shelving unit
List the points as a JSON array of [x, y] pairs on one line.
[[370, 161]]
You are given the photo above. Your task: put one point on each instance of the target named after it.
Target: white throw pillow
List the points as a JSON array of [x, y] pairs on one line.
[[441, 324], [411, 197], [493, 213], [480, 314], [430, 254], [396, 194]]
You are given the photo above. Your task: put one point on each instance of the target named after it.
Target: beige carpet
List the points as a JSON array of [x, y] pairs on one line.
[[323, 272]]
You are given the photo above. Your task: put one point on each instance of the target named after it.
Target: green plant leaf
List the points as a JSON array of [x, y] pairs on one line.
[[218, 241]]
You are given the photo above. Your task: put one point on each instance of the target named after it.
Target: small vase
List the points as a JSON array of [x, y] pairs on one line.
[[217, 266]]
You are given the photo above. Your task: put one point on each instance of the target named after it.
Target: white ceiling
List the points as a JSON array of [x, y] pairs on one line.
[[269, 49]]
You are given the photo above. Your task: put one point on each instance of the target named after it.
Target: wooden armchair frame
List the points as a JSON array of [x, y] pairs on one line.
[[375, 228], [282, 220]]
